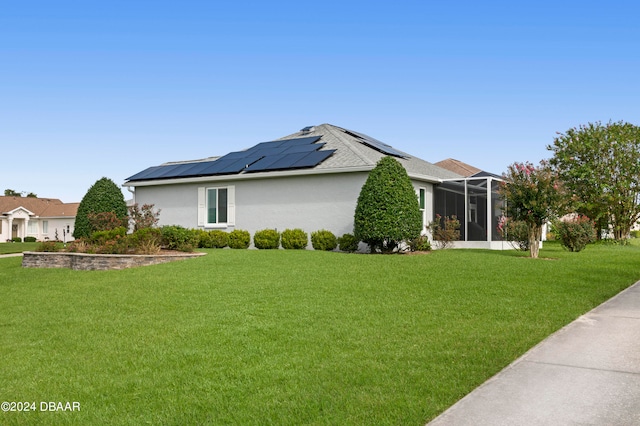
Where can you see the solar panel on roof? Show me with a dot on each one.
(376, 144)
(303, 148)
(300, 141)
(197, 168)
(312, 159)
(239, 165)
(264, 163)
(274, 155)
(286, 161)
(141, 175)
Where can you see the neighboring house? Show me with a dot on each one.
(309, 180)
(42, 218)
(458, 167)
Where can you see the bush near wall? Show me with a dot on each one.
(16, 240)
(29, 239)
(213, 239)
(266, 239)
(239, 239)
(175, 237)
(323, 240)
(421, 243)
(294, 239)
(348, 243)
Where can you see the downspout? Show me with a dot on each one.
(133, 192)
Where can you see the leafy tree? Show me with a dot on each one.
(12, 193)
(103, 196)
(387, 212)
(32, 195)
(533, 196)
(600, 166)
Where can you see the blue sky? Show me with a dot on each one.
(93, 89)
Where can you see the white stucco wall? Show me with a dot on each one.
(310, 202)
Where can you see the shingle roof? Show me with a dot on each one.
(350, 151)
(42, 207)
(458, 166)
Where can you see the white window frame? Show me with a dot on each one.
(203, 207)
(422, 191)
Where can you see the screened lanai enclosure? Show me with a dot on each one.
(477, 205)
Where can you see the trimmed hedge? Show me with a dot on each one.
(294, 239)
(213, 239)
(266, 239)
(239, 239)
(323, 240)
(176, 237)
(348, 243)
(29, 239)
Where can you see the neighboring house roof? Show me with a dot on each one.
(458, 167)
(464, 169)
(327, 149)
(41, 207)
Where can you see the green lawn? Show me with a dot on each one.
(7, 248)
(286, 337)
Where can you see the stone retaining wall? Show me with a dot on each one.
(97, 262)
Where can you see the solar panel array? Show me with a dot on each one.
(376, 144)
(266, 156)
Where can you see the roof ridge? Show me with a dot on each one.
(334, 129)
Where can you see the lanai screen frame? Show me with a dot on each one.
(476, 203)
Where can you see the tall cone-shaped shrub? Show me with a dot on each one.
(387, 212)
(104, 196)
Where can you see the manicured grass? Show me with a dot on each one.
(7, 248)
(286, 337)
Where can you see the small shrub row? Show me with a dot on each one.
(175, 237)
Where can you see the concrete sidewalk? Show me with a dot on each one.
(588, 373)
(10, 255)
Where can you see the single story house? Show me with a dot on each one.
(41, 218)
(311, 180)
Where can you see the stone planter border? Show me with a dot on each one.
(98, 262)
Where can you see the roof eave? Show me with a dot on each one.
(250, 176)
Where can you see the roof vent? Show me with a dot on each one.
(307, 129)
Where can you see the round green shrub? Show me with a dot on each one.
(16, 239)
(218, 238)
(29, 239)
(348, 243)
(266, 239)
(387, 211)
(213, 239)
(239, 239)
(176, 237)
(203, 238)
(104, 196)
(294, 239)
(323, 240)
